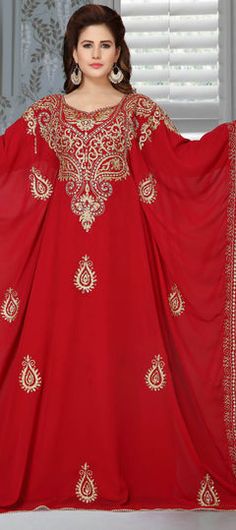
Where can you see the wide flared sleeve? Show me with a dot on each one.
(27, 174)
(187, 191)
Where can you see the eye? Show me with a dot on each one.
(89, 44)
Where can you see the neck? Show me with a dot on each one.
(96, 86)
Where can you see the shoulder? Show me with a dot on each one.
(41, 111)
(146, 106)
(142, 104)
(149, 113)
(48, 103)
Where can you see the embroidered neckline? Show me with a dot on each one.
(91, 112)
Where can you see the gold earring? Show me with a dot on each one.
(76, 75)
(116, 75)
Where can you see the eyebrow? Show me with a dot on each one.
(86, 40)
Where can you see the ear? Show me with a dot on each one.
(75, 57)
(118, 50)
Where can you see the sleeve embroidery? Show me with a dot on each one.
(47, 104)
(153, 115)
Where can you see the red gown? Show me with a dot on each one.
(118, 311)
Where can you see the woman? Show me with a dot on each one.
(118, 369)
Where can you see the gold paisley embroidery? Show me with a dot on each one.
(85, 489)
(10, 305)
(176, 302)
(91, 153)
(92, 147)
(155, 377)
(147, 189)
(29, 377)
(40, 187)
(85, 277)
(207, 495)
(229, 343)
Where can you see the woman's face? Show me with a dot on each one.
(96, 45)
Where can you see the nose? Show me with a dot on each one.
(96, 52)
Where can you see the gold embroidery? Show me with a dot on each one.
(85, 489)
(229, 343)
(91, 153)
(207, 495)
(155, 377)
(124, 510)
(87, 205)
(86, 120)
(154, 114)
(32, 122)
(85, 277)
(40, 187)
(10, 306)
(147, 189)
(29, 377)
(176, 302)
(92, 147)
(42, 507)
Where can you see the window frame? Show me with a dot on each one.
(10, 35)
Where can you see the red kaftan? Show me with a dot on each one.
(117, 295)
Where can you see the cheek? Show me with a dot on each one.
(83, 54)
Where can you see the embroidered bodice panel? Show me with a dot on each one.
(92, 146)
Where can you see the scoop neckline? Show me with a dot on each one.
(88, 112)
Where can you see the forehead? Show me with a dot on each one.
(96, 32)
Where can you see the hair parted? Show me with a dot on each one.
(88, 15)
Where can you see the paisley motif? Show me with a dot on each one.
(176, 301)
(86, 490)
(207, 495)
(156, 377)
(29, 377)
(40, 186)
(85, 277)
(10, 305)
(147, 189)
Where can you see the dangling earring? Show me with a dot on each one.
(76, 75)
(116, 75)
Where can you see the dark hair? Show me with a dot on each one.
(88, 15)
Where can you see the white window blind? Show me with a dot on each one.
(174, 46)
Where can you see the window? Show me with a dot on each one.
(179, 58)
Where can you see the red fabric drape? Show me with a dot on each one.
(117, 322)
